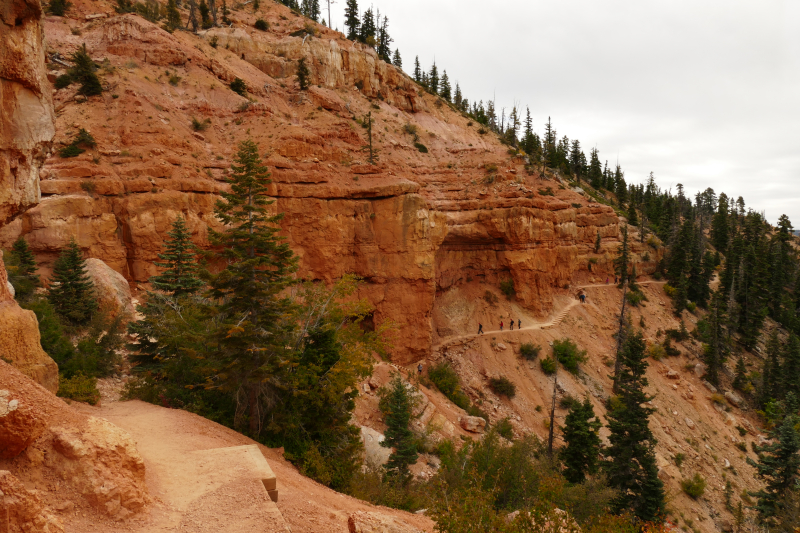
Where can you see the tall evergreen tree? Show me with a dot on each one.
(595, 170)
(254, 314)
(433, 79)
(575, 160)
(719, 225)
(631, 465)
(179, 261)
(623, 258)
(715, 350)
(790, 369)
(458, 98)
(417, 70)
(397, 404)
(444, 87)
(71, 290)
(21, 267)
(351, 20)
(581, 434)
(740, 377)
(384, 41)
(369, 31)
(205, 18)
(396, 59)
(771, 382)
(173, 17)
(779, 466)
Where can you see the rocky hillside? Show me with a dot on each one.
(414, 225)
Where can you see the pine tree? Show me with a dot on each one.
(779, 466)
(633, 218)
(351, 20)
(740, 379)
(433, 79)
(369, 31)
(396, 404)
(254, 313)
(417, 70)
(597, 242)
(58, 7)
(83, 72)
(719, 225)
(173, 17)
(384, 41)
(397, 60)
(623, 258)
(71, 291)
(205, 19)
(458, 98)
(303, 74)
(771, 382)
(21, 266)
(631, 465)
(444, 87)
(715, 350)
(790, 369)
(179, 262)
(575, 160)
(595, 171)
(581, 435)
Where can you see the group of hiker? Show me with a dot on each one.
(502, 324)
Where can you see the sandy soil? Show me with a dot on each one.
(174, 445)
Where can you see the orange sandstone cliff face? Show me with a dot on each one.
(412, 226)
(26, 129)
(26, 109)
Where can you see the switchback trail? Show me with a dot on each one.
(554, 321)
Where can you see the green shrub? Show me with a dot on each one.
(261, 25)
(529, 351)
(656, 351)
(568, 354)
(691, 306)
(694, 487)
(70, 151)
(491, 298)
(200, 125)
(239, 87)
(635, 298)
(679, 457)
(507, 288)
(446, 380)
(80, 388)
(548, 365)
(503, 386)
(65, 80)
(421, 147)
(669, 290)
(505, 429)
(58, 7)
(568, 402)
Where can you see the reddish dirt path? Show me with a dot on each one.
(171, 443)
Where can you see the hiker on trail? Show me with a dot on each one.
(519, 324)
(501, 325)
(419, 369)
(616, 280)
(480, 328)
(582, 296)
(512, 325)
(606, 281)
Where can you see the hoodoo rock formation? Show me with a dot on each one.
(445, 204)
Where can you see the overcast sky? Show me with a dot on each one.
(700, 93)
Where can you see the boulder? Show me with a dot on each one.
(23, 510)
(689, 423)
(374, 454)
(473, 424)
(700, 370)
(19, 339)
(710, 387)
(111, 288)
(20, 424)
(673, 375)
(733, 398)
(366, 522)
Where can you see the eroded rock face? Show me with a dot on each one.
(103, 464)
(94, 458)
(19, 339)
(22, 509)
(26, 106)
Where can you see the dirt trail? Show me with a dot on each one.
(199, 491)
(553, 321)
